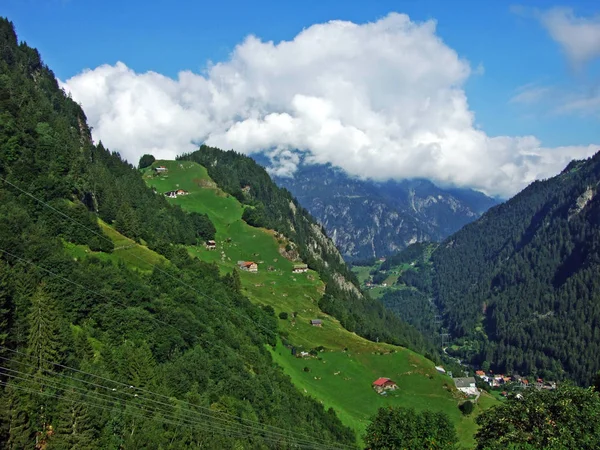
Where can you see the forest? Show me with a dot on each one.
(518, 289)
(99, 354)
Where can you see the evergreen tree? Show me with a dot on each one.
(75, 428)
(43, 343)
(146, 161)
(395, 428)
(6, 304)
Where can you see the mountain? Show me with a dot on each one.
(519, 288)
(369, 219)
(111, 334)
(119, 328)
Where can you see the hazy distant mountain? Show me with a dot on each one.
(366, 218)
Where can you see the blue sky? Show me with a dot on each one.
(514, 48)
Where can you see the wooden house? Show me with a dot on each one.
(384, 384)
(300, 268)
(248, 266)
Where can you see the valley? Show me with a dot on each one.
(342, 370)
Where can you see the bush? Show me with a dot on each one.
(283, 315)
(467, 407)
(145, 161)
(306, 369)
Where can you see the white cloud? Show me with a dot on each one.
(578, 36)
(530, 93)
(380, 100)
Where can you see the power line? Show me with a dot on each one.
(95, 396)
(154, 266)
(118, 303)
(160, 408)
(163, 420)
(137, 257)
(127, 387)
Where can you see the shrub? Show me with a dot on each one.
(283, 315)
(467, 407)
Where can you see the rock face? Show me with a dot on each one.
(368, 219)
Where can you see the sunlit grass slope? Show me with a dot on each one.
(341, 375)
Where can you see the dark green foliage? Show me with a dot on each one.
(146, 161)
(543, 419)
(413, 307)
(283, 315)
(413, 253)
(519, 287)
(466, 407)
(204, 228)
(255, 216)
(405, 428)
(379, 277)
(182, 331)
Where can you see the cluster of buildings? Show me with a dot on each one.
(499, 380)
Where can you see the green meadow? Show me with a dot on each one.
(134, 255)
(340, 376)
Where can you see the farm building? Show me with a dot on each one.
(466, 385)
(440, 369)
(211, 245)
(384, 384)
(182, 192)
(248, 266)
(161, 169)
(316, 322)
(300, 268)
(171, 194)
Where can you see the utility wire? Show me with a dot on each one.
(137, 257)
(48, 381)
(126, 388)
(97, 397)
(166, 421)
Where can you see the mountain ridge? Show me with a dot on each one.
(372, 219)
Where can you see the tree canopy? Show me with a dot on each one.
(566, 418)
(405, 428)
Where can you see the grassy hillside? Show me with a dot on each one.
(134, 255)
(342, 373)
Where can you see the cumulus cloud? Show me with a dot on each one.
(578, 36)
(380, 100)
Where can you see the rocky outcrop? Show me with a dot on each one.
(368, 219)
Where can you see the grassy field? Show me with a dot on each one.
(135, 256)
(341, 375)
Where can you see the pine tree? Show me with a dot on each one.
(74, 426)
(20, 432)
(43, 343)
(5, 304)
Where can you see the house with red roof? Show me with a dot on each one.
(384, 384)
(248, 266)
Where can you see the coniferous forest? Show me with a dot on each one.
(519, 289)
(96, 354)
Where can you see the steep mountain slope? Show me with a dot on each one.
(108, 338)
(368, 219)
(343, 365)
(519, 287)
(272, 207)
